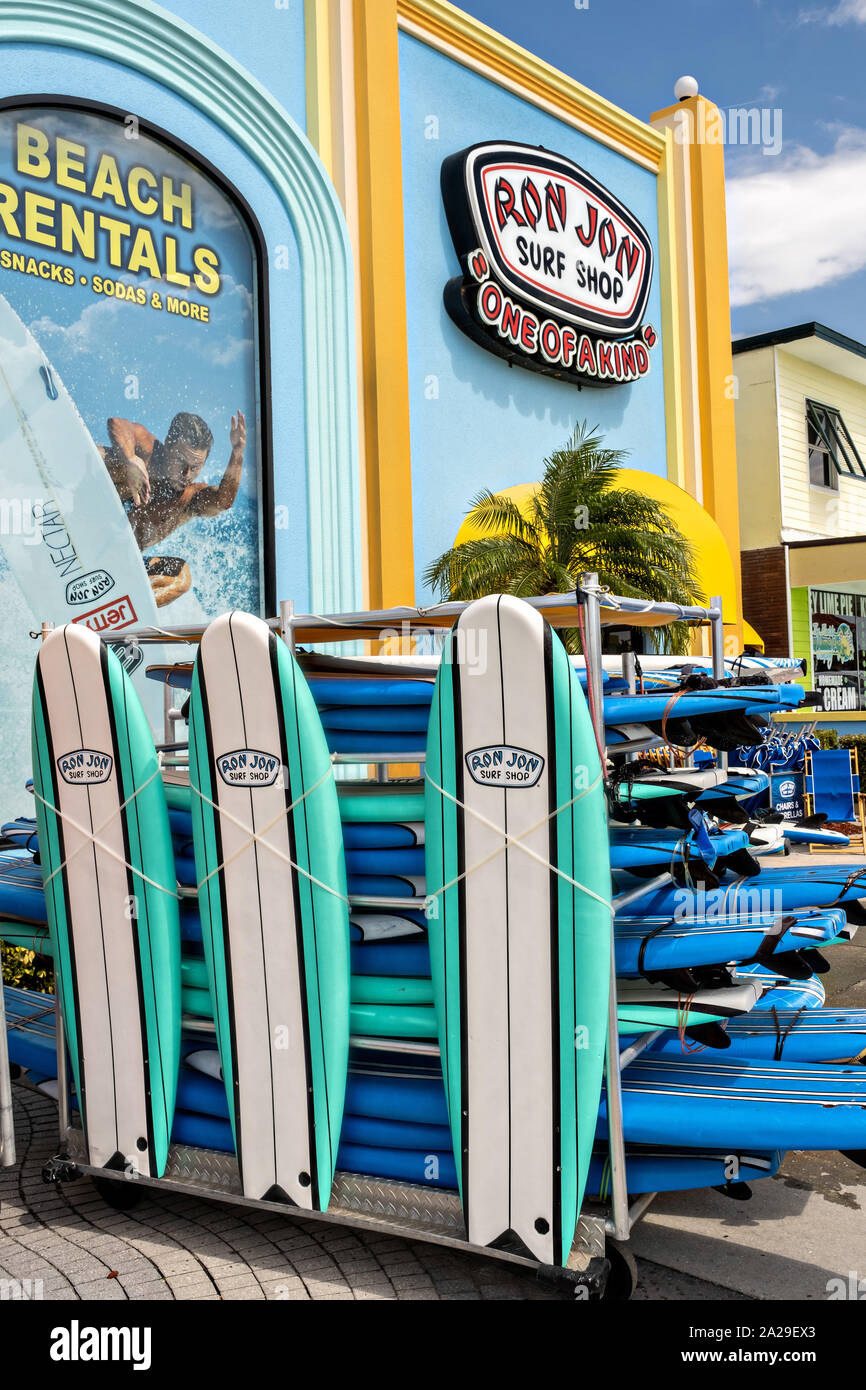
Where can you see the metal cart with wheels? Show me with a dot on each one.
(600, 1262)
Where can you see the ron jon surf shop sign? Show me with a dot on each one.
(556, 271)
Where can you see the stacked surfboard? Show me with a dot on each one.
(409, 979)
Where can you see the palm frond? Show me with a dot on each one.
(578, 520)
(479, 567)
(494, 512)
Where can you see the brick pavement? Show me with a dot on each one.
(172, 1246)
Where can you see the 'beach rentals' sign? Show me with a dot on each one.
(556, 271)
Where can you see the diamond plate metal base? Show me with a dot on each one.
(203, 1168)
(588, 1242)
(372, 1203)
(399, 1202)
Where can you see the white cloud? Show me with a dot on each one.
(796, 222)
(843, 12)
(87, 333)
(236, 305)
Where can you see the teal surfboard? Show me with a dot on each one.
(108, 866)
(274, 911)
(520, 954)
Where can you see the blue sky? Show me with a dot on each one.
(797, 216)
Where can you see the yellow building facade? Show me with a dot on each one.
(367, 62)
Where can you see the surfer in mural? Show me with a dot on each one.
(158, 482)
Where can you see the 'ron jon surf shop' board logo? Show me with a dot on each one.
(556, 270)
(85, 766)
(502, 765)
(248, 767)
(87, 588)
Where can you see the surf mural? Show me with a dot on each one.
(131, 475)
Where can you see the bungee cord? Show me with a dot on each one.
(89, 837)
(517, 842)
(256, 837)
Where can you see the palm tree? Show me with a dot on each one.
(578, 520)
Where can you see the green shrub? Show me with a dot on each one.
(828, 738)
(857, 741)
(26, 969)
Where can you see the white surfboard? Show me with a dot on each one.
(105, 845)
(63, 527)
(67, 537)
(727, 1001)
(274, 908)
(519, 954)
(384, 926)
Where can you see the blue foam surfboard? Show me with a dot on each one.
(770, 1105)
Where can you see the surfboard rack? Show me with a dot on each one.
(623, 1216)
(379, 758)
(391, 1206)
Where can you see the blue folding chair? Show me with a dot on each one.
(833, 787)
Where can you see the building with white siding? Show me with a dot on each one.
(801, 459)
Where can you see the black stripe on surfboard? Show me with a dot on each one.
(573, 698)
(291, 825)
(508, 1234)
(442, 1021)
(138, 891)
(275, 1191)
(70, 941)
(554, 890)
(213, 813)
(459, 792)
(92, 851)
(113, 1161)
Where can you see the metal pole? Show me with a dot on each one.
(429, 619)
(635, 1213)
(717, 628)
(588, 591)
(588, 587)
(615, 1133)
(648, 886)
(7, 1123)
(640, 1045)
(287, 615)
(7, 1119)
(62, 1072)
(629, 674)
(167, 724)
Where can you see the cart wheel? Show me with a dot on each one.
(585, 1285)
(122, 1195)
(622, 1280)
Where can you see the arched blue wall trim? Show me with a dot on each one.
(148, 39)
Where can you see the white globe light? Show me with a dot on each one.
(685, 87)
